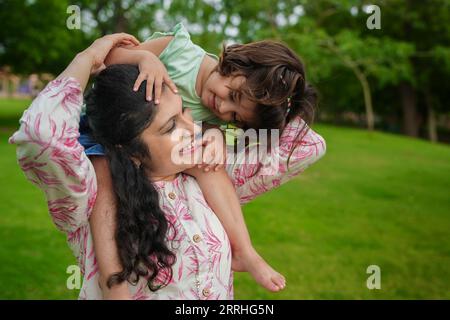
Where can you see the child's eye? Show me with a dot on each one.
(232, 96)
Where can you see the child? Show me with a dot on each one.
(259, 85)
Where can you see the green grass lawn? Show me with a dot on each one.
(11, 110)
(373, 199)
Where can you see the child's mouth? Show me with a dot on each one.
(212, 102)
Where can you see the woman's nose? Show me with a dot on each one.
(188, 122)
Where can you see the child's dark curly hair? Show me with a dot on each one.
(273, 74)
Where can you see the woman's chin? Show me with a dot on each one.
(191, 166)
(184, 166)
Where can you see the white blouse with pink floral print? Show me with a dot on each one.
(49, 153)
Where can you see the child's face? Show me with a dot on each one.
(220, 96)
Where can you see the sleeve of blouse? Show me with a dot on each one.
(254, 173)
(49, 154)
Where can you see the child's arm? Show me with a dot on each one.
(151, 68)
(126, 54)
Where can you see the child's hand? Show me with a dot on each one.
(154, 71)
(214, 151)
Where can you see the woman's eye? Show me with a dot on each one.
(172, 127)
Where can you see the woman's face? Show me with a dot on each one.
(220, 96)
(170, 137)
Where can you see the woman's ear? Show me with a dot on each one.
(136, 162)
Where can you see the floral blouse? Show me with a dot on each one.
(49, 153)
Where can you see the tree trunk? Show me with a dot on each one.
(370, 118)
(409, 107)
(367, 95)
(121, 22)
(367, 98)
(431, 118)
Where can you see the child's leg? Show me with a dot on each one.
(221, 196)
(103, 226)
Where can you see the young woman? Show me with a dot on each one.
(171, 244)
(256, 85)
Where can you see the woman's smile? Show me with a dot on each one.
(190, 148)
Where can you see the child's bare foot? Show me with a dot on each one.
(253, 263)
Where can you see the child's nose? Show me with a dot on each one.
(224, 107)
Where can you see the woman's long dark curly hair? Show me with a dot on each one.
(117, 116)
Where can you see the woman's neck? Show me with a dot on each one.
(206, 68)
(163, 178)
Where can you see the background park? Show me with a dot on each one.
(380, 196)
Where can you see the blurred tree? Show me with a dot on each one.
(34, 36)
(410, 52)
(106, 16)
(424, 24)
(399, 70)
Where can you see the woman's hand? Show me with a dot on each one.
(154, 71)
(117, 294)
(92, 59)
(100, 48)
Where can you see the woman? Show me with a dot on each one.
(173, 245)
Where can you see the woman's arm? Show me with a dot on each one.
(50, 155)
(80, 68)
(52, 158)
(252, 174)
(47, 140)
